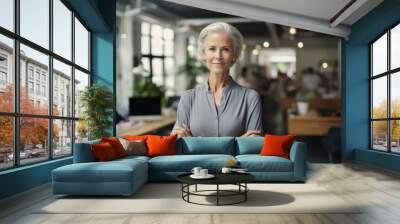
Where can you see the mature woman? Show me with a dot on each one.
(219, 107)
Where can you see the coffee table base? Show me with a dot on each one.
(241, 191)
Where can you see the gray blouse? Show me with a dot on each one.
(240, 111)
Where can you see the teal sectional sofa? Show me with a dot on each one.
(125, 176)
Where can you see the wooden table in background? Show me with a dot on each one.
(311, 125)
(142, 128)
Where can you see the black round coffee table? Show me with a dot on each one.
(238, 179)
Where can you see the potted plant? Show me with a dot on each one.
(96, 102)
(303, 99)
(192, 69)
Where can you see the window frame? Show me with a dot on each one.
(16, 115)
(152, 56)
(388, 74)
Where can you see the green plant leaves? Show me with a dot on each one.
(96, 102)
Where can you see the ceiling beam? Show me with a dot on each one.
(201, 22)
(346, 11)
(362, 11)
(267, 15)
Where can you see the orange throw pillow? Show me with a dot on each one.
(116, 145)
(161, 145)
(136, 137)
(103, 151)
(277, 145)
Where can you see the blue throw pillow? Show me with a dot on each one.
(206, 145)
(249, 145)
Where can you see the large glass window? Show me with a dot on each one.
(6, 142)
(395, 47)
(81, 45)
(62, 89)
(385, 94)
(7, 14)
(43, 112)
(33, 140)
(62, 141)
(62, 29)
(6, 75)
(157, 48)
(35, 21)
(40, 62)
(81, 81)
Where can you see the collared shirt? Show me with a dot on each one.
(240, 110)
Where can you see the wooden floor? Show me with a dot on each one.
(377, 188)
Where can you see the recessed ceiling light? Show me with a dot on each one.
(190, 48)
(292, 30)
(255, 52)
(300, 44)
(266, 44)
(324, 65)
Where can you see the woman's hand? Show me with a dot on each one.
(251, 133)
(182, 131)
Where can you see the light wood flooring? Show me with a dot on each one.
(354, 182)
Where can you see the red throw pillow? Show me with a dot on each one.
(116, 145)
(136, 137)
(161, 145)
(277, 145)
(103, 151)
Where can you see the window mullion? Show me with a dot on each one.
(16, 84)
(73, 82)
(371, 140)
(50, 81)
(389, 76)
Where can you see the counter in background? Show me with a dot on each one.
(312, 125)
(145, 127)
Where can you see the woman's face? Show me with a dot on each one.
(218, 53)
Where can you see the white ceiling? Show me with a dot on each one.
(314, 15)
(320, 9)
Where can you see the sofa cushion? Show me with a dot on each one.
(112, 171)
(206, 145)
(161, 145)
(277, 145)
(257, 163)
(249, 145)
(134, 147)
(83, 152)
(185, 163)
(116, 145)
(103, 151)
(135, 137)
(132, 158)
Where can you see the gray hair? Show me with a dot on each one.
(221, 27)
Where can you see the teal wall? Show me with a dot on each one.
(24, 178)
(100, 17)
(356, 85)
(104, 51)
